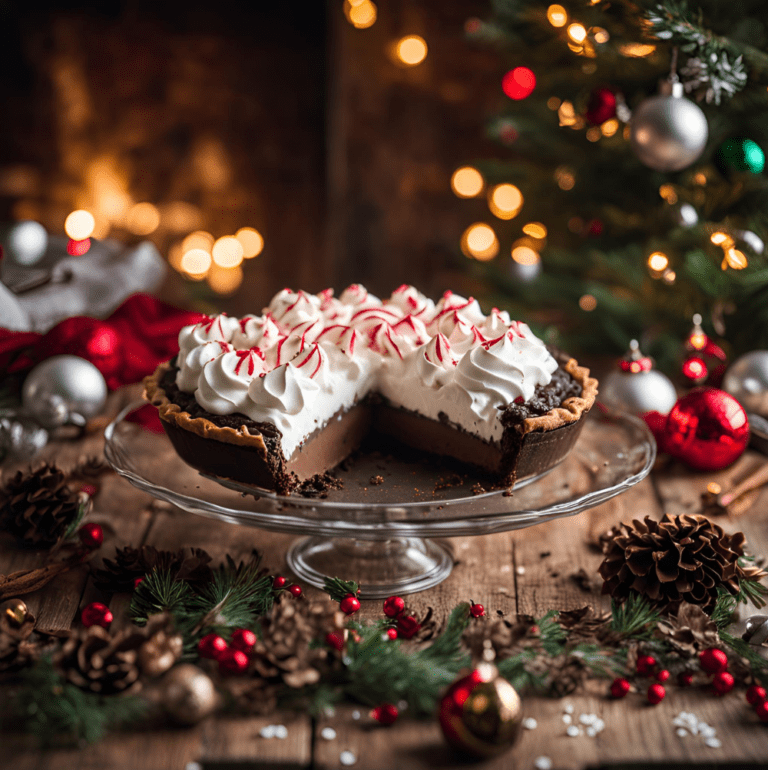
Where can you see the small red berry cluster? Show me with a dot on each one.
(403, 623)
(757, 698)
(713, 662)
(233, 656)
(280, 583)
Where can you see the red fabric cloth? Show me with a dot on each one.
(125, 347)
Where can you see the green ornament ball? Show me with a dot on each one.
(740, 155)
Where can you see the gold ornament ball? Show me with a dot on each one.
(159, 653)
(187, 694)
(13, 612)
(481, 714)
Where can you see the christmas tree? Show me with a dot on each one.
(630, 185)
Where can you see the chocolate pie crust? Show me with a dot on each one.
(536, 435)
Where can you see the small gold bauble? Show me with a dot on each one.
(187, 694)
(481, 714)
(14, 612)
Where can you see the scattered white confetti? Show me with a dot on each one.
(591, 732)
(402, 705)
(520, 570)
(542, 763)
(505, 568)
(267, 732)
(587, 719)
(346, 660)
(599, 725)
(355, 714)
(529, 723)
(347, 758)
(568, 708)
(281, 732)
(567, 719)
(193, 766)
(573, 731)
(682, 732)
(713, 743)
(328, 733)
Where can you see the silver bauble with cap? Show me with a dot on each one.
(668, 132)
(636, 387)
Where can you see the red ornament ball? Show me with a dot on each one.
(279, 582)
(96, 614)
(295, 590)
(662, 676)
(601, 106)
(137, 582)
(755, 694)
(91, 536)
(476, 610)
(723, 682)
(408, 626)
(695, 370)
(233, 662)
(685, 679)
(713, 661)
(761, 709)
(386, 714)
(349, 604)
(212, 646)
(335, 639)
(78, 248)
(645, 665)
(243, 639)
(518, 83)
(392, 633)
(620, 687)
(707, 429)
(656, 693)
(394, 606)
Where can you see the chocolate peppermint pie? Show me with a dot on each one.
(273, 400)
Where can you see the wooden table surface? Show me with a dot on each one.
(528, 571)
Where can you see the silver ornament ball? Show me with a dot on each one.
(20, 437)
(668, 133)
(756, 630)
(638, 392)
(747, 381)
(63, 389)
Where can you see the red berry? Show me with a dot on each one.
(394, 606)
(137, 582)
(243, 639)
(408, 626)
(279, 582)
(685, 679)
(233, 662)
(212, 646)
(476, 610)
(349, 604)
(656, 693)
(335, 639)
(534, 630)
(755, 694)
(645, 665)
(89, 489)
(91, 535)
(761, 709)
(96, 614)
(295, 590)
(392, 633)
(662, 676)
(620, 687)
(713, 661)
(723, 682)
(386, 714)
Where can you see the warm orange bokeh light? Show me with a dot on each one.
(411, 50)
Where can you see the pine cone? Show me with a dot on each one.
(505, 636)
(680, 558)
(16, 647)
(90, 468)
(38, 507)
(689, 631)
(95, 660)
(119, 574)
(161, 645)
(585, 625)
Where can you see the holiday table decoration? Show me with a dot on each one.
(188, 694)
(635, 386)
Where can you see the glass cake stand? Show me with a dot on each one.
(379, 529)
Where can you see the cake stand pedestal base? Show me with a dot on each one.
(402, 565)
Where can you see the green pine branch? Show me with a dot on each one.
(159, 592)
(633, 618)
(337, 588)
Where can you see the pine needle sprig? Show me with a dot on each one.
(758, 664)
(77, 521)
(752, 592)
(50, 707)
(159, 592)
(337, 588)
(551, 634)
(634, 618)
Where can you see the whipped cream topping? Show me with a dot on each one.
(310, 356)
